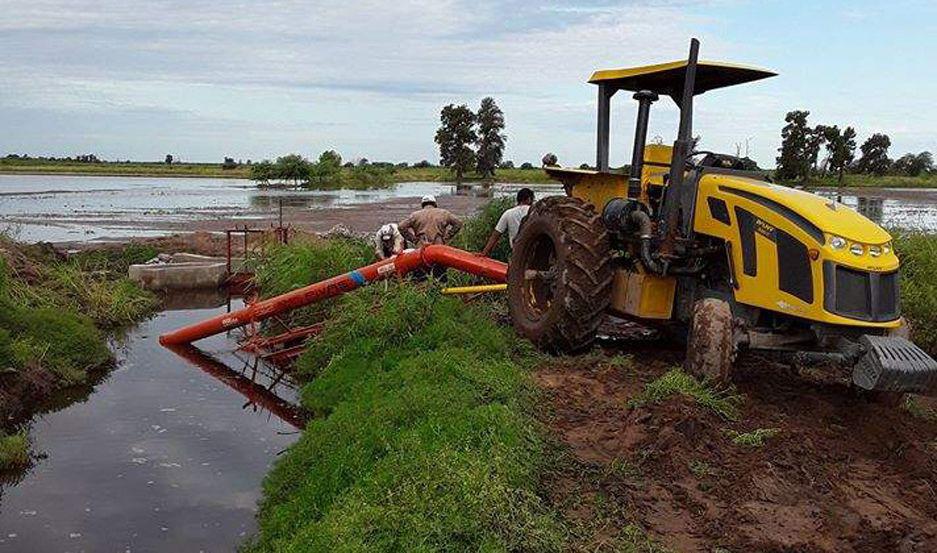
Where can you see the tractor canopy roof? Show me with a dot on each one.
(666, 79)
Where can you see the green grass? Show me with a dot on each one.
(93, 284)
(132, 169)
(677, 382)
(872, 181)
(424, 441)
(755, 438)
(918, 255)
(350, 178)
(52, 312)
(285, 268)
(14, 450)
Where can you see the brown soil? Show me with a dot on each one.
(358, 218)
(842, 474)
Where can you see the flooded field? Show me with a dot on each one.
(77, 209)
(163, 455)
(80, 209)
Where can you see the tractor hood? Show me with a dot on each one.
(829, 216)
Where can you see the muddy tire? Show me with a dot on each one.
(559, 275)
(710, 351)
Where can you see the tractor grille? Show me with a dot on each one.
(859, 294)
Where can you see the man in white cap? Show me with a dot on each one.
(430, 225)
(388, 241)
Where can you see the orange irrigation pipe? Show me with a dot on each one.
(401, 264)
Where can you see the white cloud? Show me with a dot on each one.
(366, 77)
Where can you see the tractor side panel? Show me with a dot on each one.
(777, 256)
(643, 295)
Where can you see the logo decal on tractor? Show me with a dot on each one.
(764, 229)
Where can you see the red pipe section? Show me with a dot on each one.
(401, 264)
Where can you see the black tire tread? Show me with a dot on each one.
(584, 290)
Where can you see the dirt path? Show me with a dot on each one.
(841, 474)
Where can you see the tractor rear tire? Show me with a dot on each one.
(560, 275)
(710, 352)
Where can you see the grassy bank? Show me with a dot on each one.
(54, 315)
(350, 177)
(118, 169)
(424, 439)
(918, 254)
(872, 181)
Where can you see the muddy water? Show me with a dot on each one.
(162, 456)
(77, 209)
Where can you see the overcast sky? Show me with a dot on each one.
(202, 79)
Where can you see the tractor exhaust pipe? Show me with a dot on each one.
(681, 152)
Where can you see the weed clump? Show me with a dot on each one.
(14, 450)
(424, 441)
(677, 382)
(755, 438)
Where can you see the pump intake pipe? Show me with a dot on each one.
(401, 264)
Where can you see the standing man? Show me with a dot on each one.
(510, 221)
(430, 225)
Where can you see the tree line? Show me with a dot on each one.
(326, 172)
(801, 145)
(468, 140)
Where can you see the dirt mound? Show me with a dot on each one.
(834, 473)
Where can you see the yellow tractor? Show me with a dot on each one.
(692, 241)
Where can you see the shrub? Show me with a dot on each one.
(474, 234)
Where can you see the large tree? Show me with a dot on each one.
(455, 137)
(797, 143)
(914, 164)
(292, 167)
(840, 149)
(327, 170)
(874, 158)
(490, 138)
(263, 172)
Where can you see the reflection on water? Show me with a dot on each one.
(162, 456)
(905, 209)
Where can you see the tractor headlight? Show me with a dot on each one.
(837, 242)
(857, 249)
(886, 249)
(875, 251)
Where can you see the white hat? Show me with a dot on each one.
(387, 232)
(428, 199)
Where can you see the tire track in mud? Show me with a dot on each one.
(842, 474)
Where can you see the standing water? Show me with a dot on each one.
(163, 456)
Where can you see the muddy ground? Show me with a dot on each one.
(358, 218)
(841, 474)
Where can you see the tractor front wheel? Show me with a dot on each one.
(559, 275)
(710, 352)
